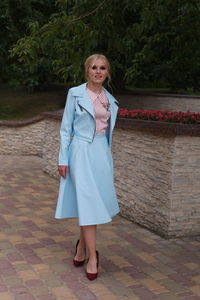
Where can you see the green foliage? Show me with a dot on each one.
(15, 16)
(167, 45)
(149, 43)
(74, 33)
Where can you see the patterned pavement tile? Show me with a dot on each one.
(36, 250)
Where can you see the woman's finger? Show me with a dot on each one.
(63, 171)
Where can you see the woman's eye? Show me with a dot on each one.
(95, 67)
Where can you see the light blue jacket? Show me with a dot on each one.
(79, 119)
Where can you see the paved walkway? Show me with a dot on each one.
(36, 250)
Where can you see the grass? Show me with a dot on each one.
(19, 105)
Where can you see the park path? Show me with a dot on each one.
(36, 250)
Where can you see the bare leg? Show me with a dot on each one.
(89, 233)
(80, 255)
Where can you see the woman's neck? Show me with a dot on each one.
(96, 88)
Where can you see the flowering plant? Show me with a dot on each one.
(161, 115)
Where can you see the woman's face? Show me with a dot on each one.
(97, 72)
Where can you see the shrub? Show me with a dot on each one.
(187, 117)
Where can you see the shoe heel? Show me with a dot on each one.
(77, 263)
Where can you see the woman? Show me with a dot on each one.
(85, 162)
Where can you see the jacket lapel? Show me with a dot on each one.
(113, 109)
(113, 114)
(83, 99)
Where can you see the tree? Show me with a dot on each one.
(149, 43)
(60, 46)
(15, 16)
(166, 45)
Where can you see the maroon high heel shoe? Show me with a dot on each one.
(92, 276)
(78, 263)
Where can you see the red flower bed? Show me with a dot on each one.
(161, 115)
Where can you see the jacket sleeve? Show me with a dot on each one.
(66, 130)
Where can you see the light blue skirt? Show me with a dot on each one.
(88, 192)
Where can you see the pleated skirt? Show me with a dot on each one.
(88, 192)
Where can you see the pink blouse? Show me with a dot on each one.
(102, 115)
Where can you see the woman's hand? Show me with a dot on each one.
(63, 171)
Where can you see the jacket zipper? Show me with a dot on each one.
(83, 108)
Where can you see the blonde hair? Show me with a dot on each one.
(93, 57)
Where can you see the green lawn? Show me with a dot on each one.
(19, 105)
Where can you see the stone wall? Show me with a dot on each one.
(165, 172)
(143, 177)
(185, 191)
(157, 167)
(51, 146)
(23, 140)
(159, 101)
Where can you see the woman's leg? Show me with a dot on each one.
(80, 255)
(89, 233)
